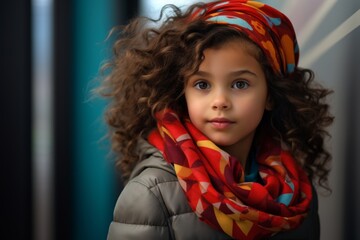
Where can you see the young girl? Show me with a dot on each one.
(219, 133)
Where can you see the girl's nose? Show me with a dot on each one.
(221, 101)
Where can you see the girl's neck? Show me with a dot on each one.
(240, 152)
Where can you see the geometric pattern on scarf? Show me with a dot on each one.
(213, 182)
(269, 28)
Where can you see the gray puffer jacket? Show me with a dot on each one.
(153, 206)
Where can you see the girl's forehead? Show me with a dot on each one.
(237, 43)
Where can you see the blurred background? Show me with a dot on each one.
(58, 179)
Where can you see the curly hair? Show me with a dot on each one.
(151, 64)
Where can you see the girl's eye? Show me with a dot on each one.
(201, 85)
(240, 85)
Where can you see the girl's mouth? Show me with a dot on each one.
(221, 123)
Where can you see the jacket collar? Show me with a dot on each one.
(150, 157)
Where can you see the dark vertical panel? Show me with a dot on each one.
(127, 10)
(352, 150)
(15, 119)
(62, 117)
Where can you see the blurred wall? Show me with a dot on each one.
(328, 33)
(94, 183)
(93, 173)
(85, 185)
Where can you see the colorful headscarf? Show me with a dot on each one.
(270, 29)
(213, 182)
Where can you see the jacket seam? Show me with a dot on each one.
(141, 224)
(169, 215)
(163, 206)
(154, 195)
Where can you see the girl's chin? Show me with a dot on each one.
(222, 143)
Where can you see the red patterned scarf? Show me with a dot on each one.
(213, 182)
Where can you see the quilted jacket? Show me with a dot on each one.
(153, 206)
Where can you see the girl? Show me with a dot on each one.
(219, 133)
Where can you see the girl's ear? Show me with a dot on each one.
(269, 103)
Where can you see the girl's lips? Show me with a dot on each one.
(221, 123)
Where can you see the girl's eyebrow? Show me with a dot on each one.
(242, 72)
(231, 74)
(202, 74)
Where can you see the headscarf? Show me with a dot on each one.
(270, 29)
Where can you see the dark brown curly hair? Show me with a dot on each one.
(151, 64)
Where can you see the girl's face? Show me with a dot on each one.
(227, 97)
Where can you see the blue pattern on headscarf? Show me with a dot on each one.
(235, 21)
